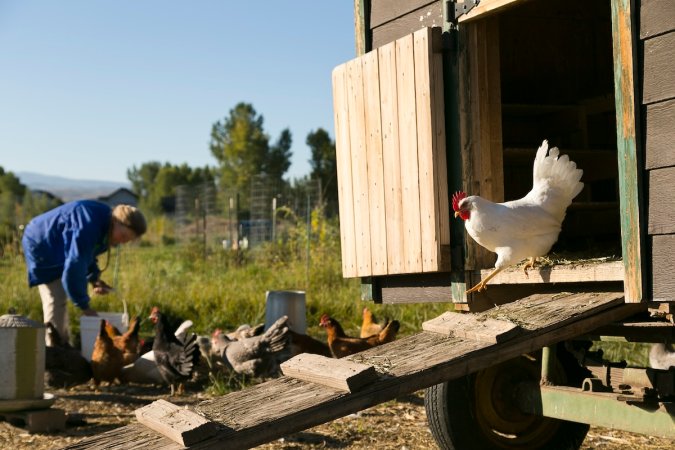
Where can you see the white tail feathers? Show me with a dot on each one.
(555, 180)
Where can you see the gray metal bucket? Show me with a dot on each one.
(286, 303)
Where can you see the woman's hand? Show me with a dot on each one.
(101, 287)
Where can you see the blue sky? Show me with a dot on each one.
(91, 88)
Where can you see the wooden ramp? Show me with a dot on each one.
(286, 405)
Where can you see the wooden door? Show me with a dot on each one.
(391, 160)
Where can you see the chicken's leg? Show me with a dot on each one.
(483, 283)
(529, 265)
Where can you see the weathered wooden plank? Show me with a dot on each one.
(472, 326)
(337, 373)
(361, 28)
(660, 134)
(486, 8)
(344, 171)
(407, 128)
(406, 365)
(429, 207)
(385, 11)
(391, 157)
(480, 122)
(178, 424)
(660, 217)
(359, 164)
(416, 288)
(378, 226)
(430, 15)
(440, 155)
(659, 70)
(663, 270)
(624, 50)
(656, 17)
(567, 273)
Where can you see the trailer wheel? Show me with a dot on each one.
(478, 412)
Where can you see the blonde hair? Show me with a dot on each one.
(131, 217)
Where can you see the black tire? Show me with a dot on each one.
(477, 412)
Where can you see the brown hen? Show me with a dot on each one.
(369, 325)
(342, 345)
(106, 359)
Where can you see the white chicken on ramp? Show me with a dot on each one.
(527, 227)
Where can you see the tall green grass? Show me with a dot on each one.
(221, 288)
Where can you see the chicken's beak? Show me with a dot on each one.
(456, 214)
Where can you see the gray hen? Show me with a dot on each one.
(257, 356)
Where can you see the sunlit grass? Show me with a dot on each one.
(220, 288)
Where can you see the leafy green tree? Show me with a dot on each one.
(155, 183)
(142, 178)
(279, 159)
(241, 147)
(324, 167)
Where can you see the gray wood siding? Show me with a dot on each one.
(657, 32)
(660, 134)
(661, 219)
(659, 74)
(392, 20)
(656, 17)
(663, 269)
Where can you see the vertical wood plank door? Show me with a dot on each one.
(390, 143)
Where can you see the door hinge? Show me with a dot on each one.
(454, 10)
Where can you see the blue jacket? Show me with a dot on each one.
(64, 242)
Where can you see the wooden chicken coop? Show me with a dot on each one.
(446, 96)
(458, 96)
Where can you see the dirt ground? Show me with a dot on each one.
(399, 424)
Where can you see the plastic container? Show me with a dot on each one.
(90, 326)
(22, 358)
(286, 303)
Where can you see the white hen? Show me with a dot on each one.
(527, 227)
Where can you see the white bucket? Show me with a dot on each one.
(286, 303)
(90, 326)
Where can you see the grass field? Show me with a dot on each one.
(219, 288)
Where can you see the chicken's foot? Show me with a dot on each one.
(482, 285)
(529, 265)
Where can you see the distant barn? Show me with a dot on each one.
(121, 196)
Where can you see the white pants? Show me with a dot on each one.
(54, 309)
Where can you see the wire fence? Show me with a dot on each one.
(216, 217)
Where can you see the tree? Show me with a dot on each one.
(242, 149)
(279, 159)
(142, 178)
(155, 183)
(324, 167)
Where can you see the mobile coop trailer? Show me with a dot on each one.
(457, 96)
(447, 96)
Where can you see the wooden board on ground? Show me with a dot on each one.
(37, 420)
(178, 424)
(337, 373)
(285, 405)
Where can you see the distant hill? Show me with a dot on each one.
(69, 189)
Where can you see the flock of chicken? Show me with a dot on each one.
(173, 355)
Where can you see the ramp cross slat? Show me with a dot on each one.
(285, 405)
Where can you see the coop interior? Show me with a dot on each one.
(557, 84)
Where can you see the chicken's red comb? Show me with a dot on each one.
(456, 198)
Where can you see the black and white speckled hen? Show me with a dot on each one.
(176, 359)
